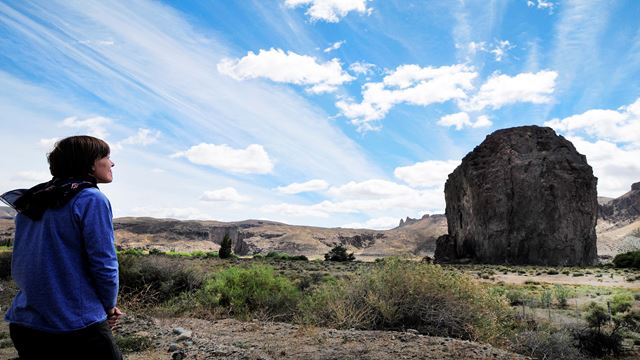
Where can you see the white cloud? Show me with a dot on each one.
(370, 189)
(32, 176)
(362, 68)
(461, 120)
(308, 186)
(615, 167)
(188, 213)
(227, 194)
(380, 223)
(500, 49)
(143, 137)
(335, 46)
(409, 84)
(253, 159)
(94, 126)
(289, 67)
(622, 125)
(500, 90)
(97, 42)
(330, 10)
(365, 201)
(48, 143)
(431, 173)
(542, 5)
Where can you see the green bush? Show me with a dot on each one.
(339, 253)
(621, 302)
(562, 294)
(596, 316)
(252, 291)
(396, 294)
(133, 252)
(515, 297)
(627, 260)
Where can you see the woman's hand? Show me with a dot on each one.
(112, 317)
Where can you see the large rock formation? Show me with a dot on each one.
(523, 196)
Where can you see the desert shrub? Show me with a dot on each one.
(155, 251)
(599, 344)
(149, 280)
(596, 316)
(547, 343)
(225, 247)
(545, 298)
(132, 343)
(252, 291)
(621, 302)
(627, 260)
(397, 294)
(562, 294)
(635, 232)
(552, 272)
(339, 253)
(132, 252)
(515, 297)
(5, 265)
(284, 256)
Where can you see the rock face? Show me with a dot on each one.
(523, 196)
(624, 209)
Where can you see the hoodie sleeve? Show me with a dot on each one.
(93, 211)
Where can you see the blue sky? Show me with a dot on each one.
(317, 112)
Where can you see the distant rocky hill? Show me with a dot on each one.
(7, 212)
(619, 223)
(260, 237)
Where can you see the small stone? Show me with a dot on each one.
(178, 355)
(413, 331)
(186, 335)
(173, 347)
(178, 330)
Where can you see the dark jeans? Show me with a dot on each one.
(93, 342)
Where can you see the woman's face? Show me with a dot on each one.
(102, 170)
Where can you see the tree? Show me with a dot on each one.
(338, 253)
(225, 247)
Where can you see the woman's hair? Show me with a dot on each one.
(73, 157)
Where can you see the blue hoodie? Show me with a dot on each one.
(65, 266)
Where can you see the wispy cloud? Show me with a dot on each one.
(542, 5)
(335, 46)
(307, 186)
(94, 126)
(227, 194)
(143, 137)
(330, 10)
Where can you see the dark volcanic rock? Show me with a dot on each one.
(523, 196)
(624, 209)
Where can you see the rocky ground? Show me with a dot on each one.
(232, 339)
(188, 338)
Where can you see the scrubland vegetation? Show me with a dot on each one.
(533, 317)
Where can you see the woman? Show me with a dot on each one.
(64, 259)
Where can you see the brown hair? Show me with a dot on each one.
(74, 156)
